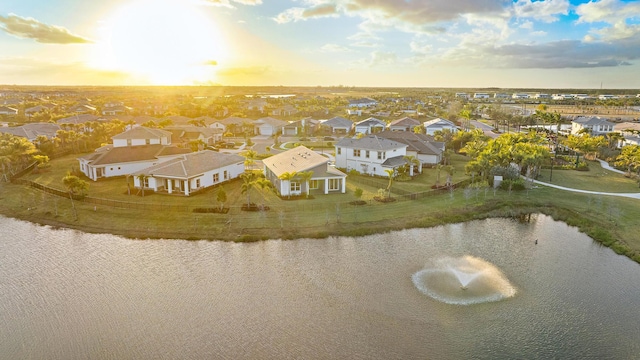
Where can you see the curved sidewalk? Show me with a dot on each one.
(627, 195)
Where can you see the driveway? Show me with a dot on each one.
(486, 129)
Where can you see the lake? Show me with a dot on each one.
(65, 294)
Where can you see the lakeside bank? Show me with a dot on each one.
(611, 223)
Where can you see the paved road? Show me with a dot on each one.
(487, 129)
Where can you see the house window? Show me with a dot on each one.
(146, 182)
(226, 175)
(334, 184)
(216, 178)
(339, 151)
(147, 141)
(366, 154)
(295, 186)
(314, 184)
(197, 183)
(356, 153)
(382, 155)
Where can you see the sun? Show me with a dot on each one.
(161, 42)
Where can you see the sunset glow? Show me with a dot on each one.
(162, 42)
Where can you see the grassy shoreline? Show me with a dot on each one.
(611, 222)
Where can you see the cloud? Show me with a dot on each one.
(555, 55)
(332, 48)
(547, 10)
(211, 63)
(412, 16)
(229, 3)
(30, 28)
(609, 11)
(299, 14)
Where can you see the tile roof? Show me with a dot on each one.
(192, 164)
(295, 160)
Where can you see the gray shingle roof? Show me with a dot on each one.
(338, 121)
(119, 155)
(142, 132)
(371, 142)
(420, 143)
(591, 120)
(193, 164)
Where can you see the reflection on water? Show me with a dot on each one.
(69, 295)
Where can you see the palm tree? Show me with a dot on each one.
(629, 158)
(306, 176)
(287, 176)
(412, 162)
(391, 174)
(249, 158)
(248, 183)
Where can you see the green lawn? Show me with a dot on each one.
(611, 220)
(596, 179)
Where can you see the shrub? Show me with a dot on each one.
(513, 184)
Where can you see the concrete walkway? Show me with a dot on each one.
(627, 195)
(605, 165)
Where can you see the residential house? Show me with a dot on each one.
(142, 136)
(82, 109)
(236, 125)
(461, 95)
(362, 103)
(286, 110)
(6, 110)
(370, 126)
(183, 136)
(438, 124)
(480, 96)
(190, 173)
(594, 124)
(422, 147)
(325, 179)
(257, 104)
(403, 124)
(303, 127)
(370, 155)
(630, 132)
(38, 108)
(80, 119)
(115, 109)
(32, 130)
(126, 160)
(268, 126)
(337, 125)
(520, 96)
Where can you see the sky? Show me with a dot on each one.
(381, 43)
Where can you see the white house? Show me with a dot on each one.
(422, 147)
(189, 173)
(370, 155)
(480, 96)
(337, 125)
(126, 160)
(268, 126)
(362, 103)
(403, 124)
(595, 124)
(370, 125)
(607, 97)
(281, 170)
(5, 110)
(142, 136)
(438, 124)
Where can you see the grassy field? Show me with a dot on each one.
(610, 220)
(596, 179)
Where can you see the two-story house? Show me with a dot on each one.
(370, 155)
(593, 124)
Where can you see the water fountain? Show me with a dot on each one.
(463, 281)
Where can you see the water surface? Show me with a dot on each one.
(69, 295)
